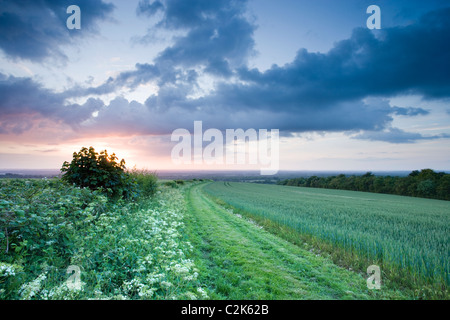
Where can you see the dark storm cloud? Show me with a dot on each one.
(36, 29)
(404, 60)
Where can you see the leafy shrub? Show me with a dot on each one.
(147, 181)
(171, 183)
(40, 221)
(99, 171)
(47, 226)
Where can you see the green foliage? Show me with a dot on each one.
(424, 184)
(124, 249)
(171, 183)
(147, 181)
(40, 222)
(99, 171)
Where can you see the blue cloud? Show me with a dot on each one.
(403, 60)
(149, 9)
(25, 101)
(413, 59)
(36, 30)
(24, 96)
(218, 36)
(410, 111)
(395, 135)
(181, 14)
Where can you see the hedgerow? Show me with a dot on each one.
(123, 249)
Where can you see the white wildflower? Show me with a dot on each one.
(202, 293)
(190, 296)
(166, 284)
(7, 269)
(31, 289)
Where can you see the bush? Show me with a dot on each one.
(147, 181)
(99, 172)
(171, 183)
(46, 226)
(40, 223)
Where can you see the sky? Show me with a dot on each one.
(343, 96)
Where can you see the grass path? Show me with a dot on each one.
(239, 260)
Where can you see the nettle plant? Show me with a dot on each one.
(99, 171)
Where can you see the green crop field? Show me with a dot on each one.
(408, 237)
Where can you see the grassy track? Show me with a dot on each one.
(239, 260)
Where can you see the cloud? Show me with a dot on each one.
(412, 59)
(149, 9)
(345, 89)
(395, 135)
(402, 60)
(36, 30)
(175, 111)
(179, 14)
(24, 96)
(170, 109)
(25, 102)
(410, 111)
(142, 74)
(218, 36)
(217, 39)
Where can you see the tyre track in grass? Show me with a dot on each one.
(238, 260)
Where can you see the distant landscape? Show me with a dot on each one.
(236, 150)
(232, 175)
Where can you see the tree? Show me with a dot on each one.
(426, 188)
(365, 182)
(99, 171)
(443, 189)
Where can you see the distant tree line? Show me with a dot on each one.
(424, 183)
(24, 176)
